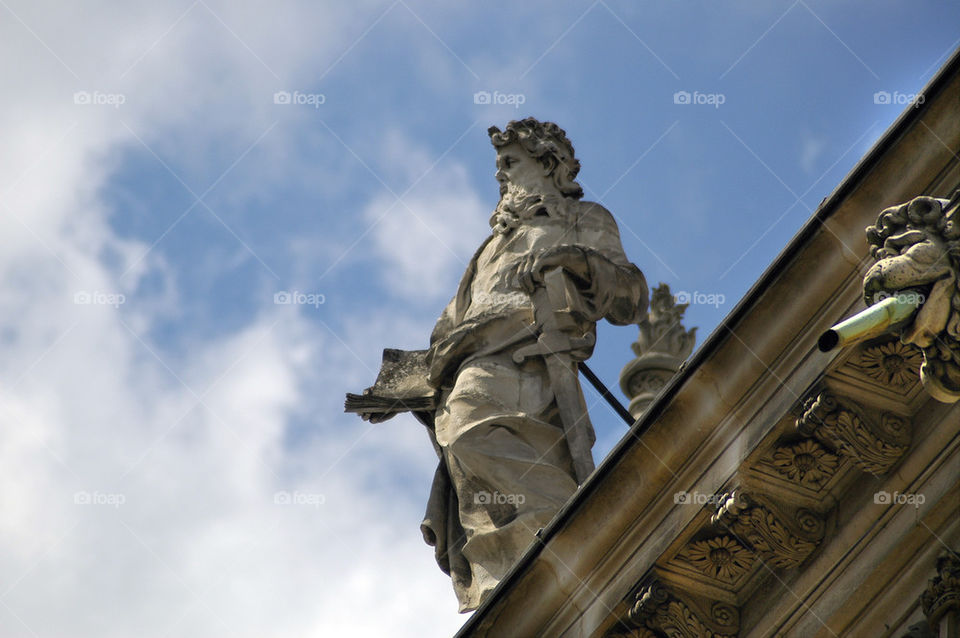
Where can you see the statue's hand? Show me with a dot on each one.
(531, 268)
(376, 417)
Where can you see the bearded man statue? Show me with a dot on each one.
(510, 423)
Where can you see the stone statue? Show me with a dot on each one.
(509, 421)
(916, 246)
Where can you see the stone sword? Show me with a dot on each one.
(552, 312)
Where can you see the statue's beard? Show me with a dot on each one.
(516, 206)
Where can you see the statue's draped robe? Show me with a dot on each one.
(505, 467)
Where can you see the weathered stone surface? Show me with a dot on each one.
(917, 249)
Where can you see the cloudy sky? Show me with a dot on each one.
(174, 460)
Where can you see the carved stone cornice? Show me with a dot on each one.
(943, 591)
(659, 610)
(874, 445)
(779, 539)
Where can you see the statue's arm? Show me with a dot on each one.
(613, 287)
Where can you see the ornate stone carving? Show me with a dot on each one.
(780, 539)
(807, 463)
(916, 246)
(893, 363)
(943, 591)
(662, 345)
(873, 446)
(679, 615)
(721, 558)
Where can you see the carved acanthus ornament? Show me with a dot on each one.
(873, 446)
(661, 347)
(916, 246)
(658, 609)
(943, 591)
(779, 539)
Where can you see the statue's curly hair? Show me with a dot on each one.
(547, 143)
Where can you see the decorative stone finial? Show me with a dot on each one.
(662, 346)
(943, 591)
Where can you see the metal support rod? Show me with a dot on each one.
(602, 389)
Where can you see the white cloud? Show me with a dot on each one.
(811, 152)
(425, 240)
(194, 445)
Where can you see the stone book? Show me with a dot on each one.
(401, 386)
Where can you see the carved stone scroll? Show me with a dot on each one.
(676, 614)
(779, 538)
(874, 446)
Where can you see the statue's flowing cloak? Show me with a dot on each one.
(492, 314)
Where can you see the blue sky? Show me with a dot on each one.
(150, 167)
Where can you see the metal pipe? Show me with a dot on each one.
(606, 394)
(875, 320)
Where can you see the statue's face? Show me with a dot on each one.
(516, 166)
